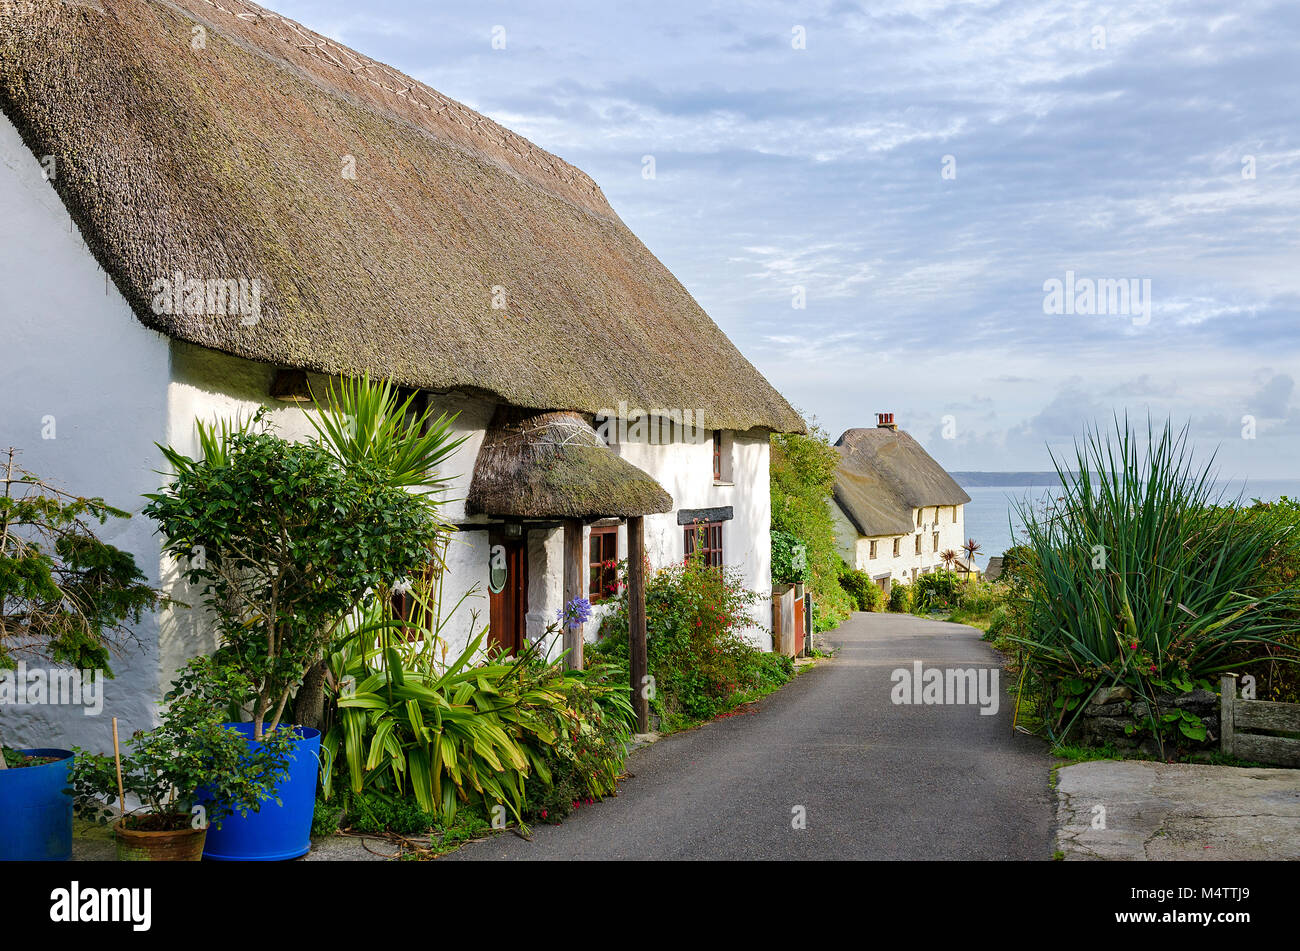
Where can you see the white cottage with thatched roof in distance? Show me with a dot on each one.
(895, 509)
(208, 209)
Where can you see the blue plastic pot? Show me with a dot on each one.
(273, 833)
(36, 810)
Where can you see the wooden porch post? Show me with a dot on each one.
(636, 621)
(573, 589)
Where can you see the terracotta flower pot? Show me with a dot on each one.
(180, 845)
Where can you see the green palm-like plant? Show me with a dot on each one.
(948, 556)
(363, 420)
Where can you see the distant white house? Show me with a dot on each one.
(895, 509)
(199, 231)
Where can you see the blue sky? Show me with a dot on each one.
(1155, 141)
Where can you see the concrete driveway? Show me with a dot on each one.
(870, 779)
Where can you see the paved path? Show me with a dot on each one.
(1177, 811)
(877, 780)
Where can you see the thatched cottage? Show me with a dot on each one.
(895, 509)
(209, 208)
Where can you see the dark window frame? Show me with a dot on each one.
(602, 563)
(711, 534)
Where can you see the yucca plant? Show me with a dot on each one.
(361, 420)
(1141, 574)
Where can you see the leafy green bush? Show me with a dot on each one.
(900, 597)
(284, 541)
(802, 471)
(190, 759)
(1138, 576)
(697, 655)
(374, 811)
(584, 764)
(980, 597)
(936, 591)
(864, 592)
(1000, 623)
(1278, 679)
(789, 560)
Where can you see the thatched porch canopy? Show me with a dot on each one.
(393, 230)
(553, 465)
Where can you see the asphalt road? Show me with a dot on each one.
(875, 779)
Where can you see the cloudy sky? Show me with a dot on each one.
(919, 172)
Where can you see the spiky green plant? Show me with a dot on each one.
(475, 728)
(1142, 574)
(359, 419)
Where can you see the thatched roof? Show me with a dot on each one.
(553, 465)
(994, 570)
(228, 162)
(883, 475)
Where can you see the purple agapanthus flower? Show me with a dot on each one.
(574, 614)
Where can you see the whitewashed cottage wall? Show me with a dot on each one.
(83, 396)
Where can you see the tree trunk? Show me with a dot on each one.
(309, 704)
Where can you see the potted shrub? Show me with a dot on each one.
(284, 541)
(187, 774)
(66, 599)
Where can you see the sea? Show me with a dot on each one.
(991, 519)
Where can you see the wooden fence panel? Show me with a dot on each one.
(1237, 717)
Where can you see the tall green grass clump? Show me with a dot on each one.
(1141, 575)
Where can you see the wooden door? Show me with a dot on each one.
(508, 595)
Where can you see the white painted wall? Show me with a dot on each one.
(856, 549)
(80, 368)
(684, 468)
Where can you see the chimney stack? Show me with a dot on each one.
(885, 421)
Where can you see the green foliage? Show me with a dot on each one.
(326, 818)
(980, 597)
(406, 724)
(367, 425)
(1278, 678)
(375, 811)
(284, 542)
(865, 593)
(936, 591)
(190, 758)
(65, 596)
(1000, 623)
(585, 762)
(1137, 575)
(803, 479)
(697, 655)
(900, 597)
(789, 560)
